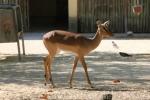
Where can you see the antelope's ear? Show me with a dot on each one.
(98, 22)
(106, 23)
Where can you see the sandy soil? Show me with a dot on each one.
(24, 80)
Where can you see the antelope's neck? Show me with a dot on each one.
(96, 39)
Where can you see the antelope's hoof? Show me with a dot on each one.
(92, 87)
(53, 86)
(70, 86)
(45, 75)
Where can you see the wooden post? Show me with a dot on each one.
(125, 15)
(17, 2)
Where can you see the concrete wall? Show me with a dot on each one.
(72, 7)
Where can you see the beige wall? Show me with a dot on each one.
(72, 7)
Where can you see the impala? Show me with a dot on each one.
(79, 45)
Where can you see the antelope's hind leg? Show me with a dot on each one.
(73, 70)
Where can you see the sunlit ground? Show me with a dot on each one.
(25, 80)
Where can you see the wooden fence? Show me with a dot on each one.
(113, 10)
(8, 1)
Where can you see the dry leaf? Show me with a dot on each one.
(44, 97)
(50, 90)
(116, 81)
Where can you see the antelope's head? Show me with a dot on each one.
(103, 28)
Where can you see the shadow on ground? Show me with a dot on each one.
(103, 68)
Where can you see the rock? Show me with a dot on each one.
(123, 54)
(107, 97)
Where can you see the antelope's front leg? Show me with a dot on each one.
(46, 70)
(48, 76)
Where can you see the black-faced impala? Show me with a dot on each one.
(79, 45)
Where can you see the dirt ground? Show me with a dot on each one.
(25, 81)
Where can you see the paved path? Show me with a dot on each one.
(34, 45)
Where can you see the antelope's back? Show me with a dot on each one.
(56, 33)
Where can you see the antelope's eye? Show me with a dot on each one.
(105, 29)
